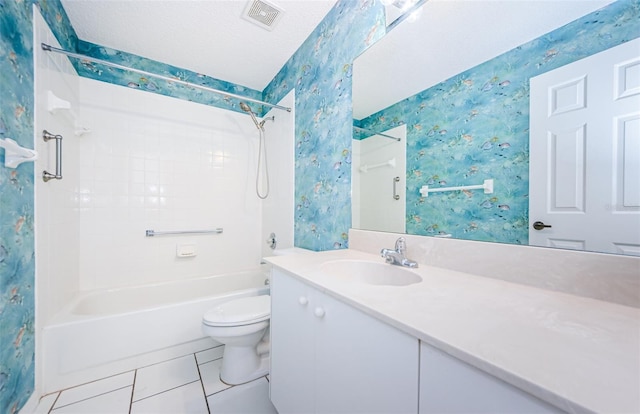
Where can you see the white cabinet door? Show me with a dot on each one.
(448, 385)
(292, 346)
(328, 357)
(363, 365)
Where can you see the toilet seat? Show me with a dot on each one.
(237, 312)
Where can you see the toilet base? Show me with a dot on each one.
(241, 371)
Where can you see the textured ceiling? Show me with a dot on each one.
(204, 36)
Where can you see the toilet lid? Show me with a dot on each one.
(241, 311)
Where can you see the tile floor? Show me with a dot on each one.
(186, 385)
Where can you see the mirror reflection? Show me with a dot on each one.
(378, 179)
(466, 116)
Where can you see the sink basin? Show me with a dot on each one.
(372, 273)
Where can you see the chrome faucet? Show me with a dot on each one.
(396, 257)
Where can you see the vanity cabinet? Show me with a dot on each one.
(328, 357)
(449, 385)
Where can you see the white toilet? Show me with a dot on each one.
(240, 325)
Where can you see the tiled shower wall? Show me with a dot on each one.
(154, 162)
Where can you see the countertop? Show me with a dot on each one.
(576, 353)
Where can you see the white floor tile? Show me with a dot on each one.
(251, 398)
(164, 376)
(45, 403)
(210, 373)
(210, 354)
(171, 387)
(187, 399)
(115, 402)
(92, 389)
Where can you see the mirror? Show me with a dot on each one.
(457, 79)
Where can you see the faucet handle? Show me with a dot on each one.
(401, 245)
(386, 253)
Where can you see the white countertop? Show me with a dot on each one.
(576, 353)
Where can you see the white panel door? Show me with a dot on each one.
(585, 154)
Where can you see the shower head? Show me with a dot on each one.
(246, 108)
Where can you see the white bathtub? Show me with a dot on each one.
(111, 331)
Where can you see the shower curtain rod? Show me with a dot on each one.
(49, 48)
(376, 133)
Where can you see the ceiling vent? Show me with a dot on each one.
(262, 13)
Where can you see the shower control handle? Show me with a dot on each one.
(319, 312)
(272, 242)
(303, 300)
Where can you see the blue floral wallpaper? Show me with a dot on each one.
(133, 80)
(475, 126)
(17, 264)
(320, 71)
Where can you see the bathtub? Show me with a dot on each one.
(107, 332)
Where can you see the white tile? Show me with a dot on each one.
(209, 355)
(210, 373)
(164, 376)
(45, 403)
(251, 398)
(115, 402)
(187, 399)
(95, 388)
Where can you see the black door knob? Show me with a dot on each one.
(538, 225)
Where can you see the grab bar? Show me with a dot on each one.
(47, 136)
(487, 186)
(152, 233)
(395, 190)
